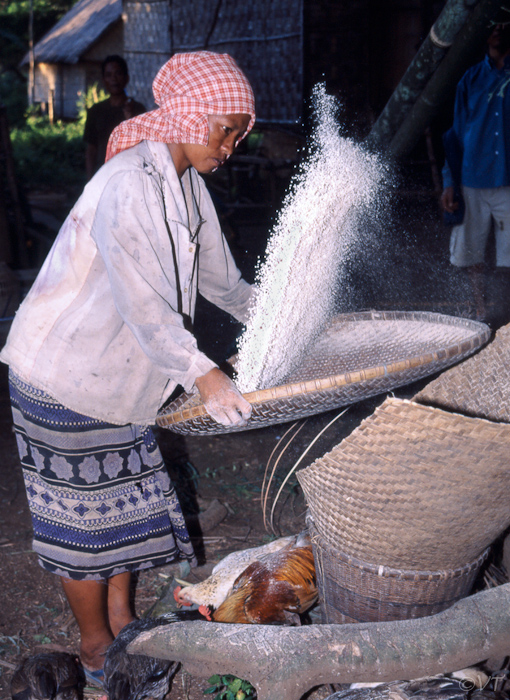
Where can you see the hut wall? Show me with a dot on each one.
(146, 44)
(111, 42)
(72, 83)
(59, 83)
(336, 53)
(359, 48)
(64, 82)
(265, 38)
(46, 78)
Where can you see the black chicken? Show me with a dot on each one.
(53, 675)
(430, 688)
(133, 676)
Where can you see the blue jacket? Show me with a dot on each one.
(481, 125)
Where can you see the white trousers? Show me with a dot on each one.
(484, 208)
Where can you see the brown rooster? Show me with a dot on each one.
(213, 591)
(274, 590)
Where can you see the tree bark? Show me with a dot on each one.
(444, 80)
(430, 54)
(285, 662)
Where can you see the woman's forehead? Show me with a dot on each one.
(237, 121)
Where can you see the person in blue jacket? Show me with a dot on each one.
(478, 163)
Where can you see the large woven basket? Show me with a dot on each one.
(351, 590)
(413, 487)
(480, 386)
(359, 355)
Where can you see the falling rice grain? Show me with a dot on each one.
(317, 226)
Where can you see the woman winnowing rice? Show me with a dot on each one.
(101, 341)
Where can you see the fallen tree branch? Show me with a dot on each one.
(285, 662)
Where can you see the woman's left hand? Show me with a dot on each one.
(222, 399)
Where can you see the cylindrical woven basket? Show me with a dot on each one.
(354, 591)
(358, 355)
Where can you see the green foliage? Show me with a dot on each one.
(14, 22)
(52, 155)
(49, 155)
(93, 95)
(41, 639)
(16, 7)
(13, 96)
(230, 688)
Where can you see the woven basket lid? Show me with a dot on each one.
(413, 487)
(357, 356)
(480, 386)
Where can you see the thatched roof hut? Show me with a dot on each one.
(359, 48)
(68, 57)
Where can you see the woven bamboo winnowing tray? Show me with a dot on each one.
(358, 355)
(413, 487)
(478, 387)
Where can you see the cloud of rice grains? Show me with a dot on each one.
(316, 227)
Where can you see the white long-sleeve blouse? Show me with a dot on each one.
(103, 329)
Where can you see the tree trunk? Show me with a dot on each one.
(445, 78)
(441, 36)
(285, 662)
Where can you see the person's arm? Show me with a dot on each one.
(448, 201)
(453, 143)
(219, 279)
(132, 237)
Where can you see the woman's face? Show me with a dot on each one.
(225, 130)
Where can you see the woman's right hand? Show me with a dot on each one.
(222, 399)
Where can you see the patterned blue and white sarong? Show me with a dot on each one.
(101, 499)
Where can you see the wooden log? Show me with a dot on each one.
(430, 54)
(443, 81)
(285, 662)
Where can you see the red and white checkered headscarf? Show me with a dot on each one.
(188, 88)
